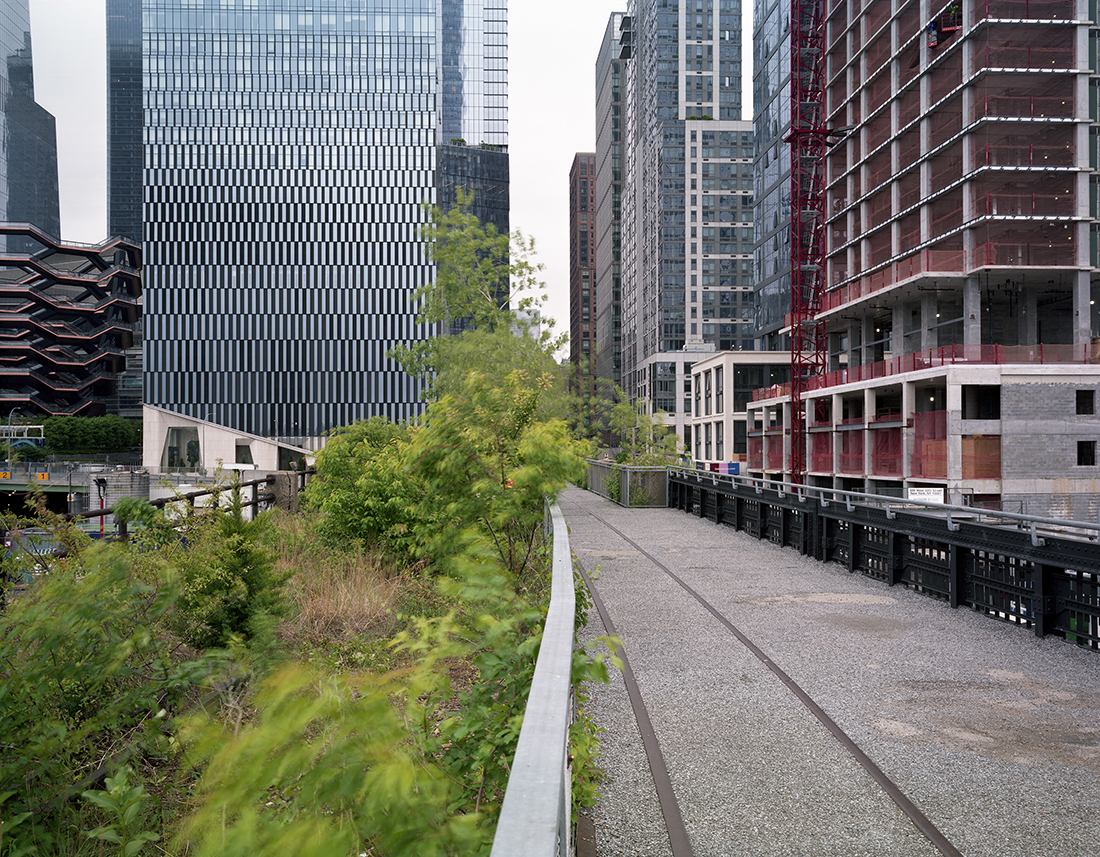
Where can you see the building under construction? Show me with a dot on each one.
(958, 245)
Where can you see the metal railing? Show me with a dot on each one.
(256, 494)
(637, 487)
(535, 817)
(1036, 572)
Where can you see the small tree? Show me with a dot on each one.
(485, 462)
(486, 294)
(363, 490)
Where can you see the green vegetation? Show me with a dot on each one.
(641, 439)
(347, 681)
(91, 434)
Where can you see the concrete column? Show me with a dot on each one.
(972, 311)
(954, 439)
(869, 335)
(1082, 308)
(1029, 324)
(868, 440)
(898, 336)
(853, 330)
(285, 488)
(929, 338)
(908, 407)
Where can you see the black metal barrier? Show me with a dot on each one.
(1050, 583)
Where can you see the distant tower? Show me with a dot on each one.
(124, 146)
(686, 203)
(614, 52)
(582, 272)
(28, 154)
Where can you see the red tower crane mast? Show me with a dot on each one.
(808, 139)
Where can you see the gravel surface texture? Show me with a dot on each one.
(993, 733)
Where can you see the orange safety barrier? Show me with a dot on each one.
(1027, 204)
(1024, 105)
(981, 457)
(930, 445)
(948, 355)
(1017, 56)
(1025, 156)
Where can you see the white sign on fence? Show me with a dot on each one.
(926, 493)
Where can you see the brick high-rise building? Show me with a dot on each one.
(960, 249)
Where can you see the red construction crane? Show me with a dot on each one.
(808, 139)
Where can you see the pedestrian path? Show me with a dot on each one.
(992, 733)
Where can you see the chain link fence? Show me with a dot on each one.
(637, 487)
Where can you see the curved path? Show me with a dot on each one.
(991, 735)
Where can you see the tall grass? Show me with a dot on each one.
(338, 594)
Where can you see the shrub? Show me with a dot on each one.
(363, 491)
(85, 685)
(230, 585)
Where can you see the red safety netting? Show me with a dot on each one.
(756, 453)
(886, 451)
(1039, 96)
(775, 452)
(1024, 144)
(851, 452)
(821, 451)
(930, 445)
(1001, 46)
(1058, 10)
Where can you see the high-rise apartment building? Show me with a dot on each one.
(687, 199)
(28, 155)
(961, 262)
(607, 321)
(582, 272)
(289, 147)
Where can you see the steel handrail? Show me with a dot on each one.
(535, 817)
(828, 495)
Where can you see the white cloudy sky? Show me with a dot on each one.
(551, 62)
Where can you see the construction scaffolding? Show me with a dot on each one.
(808, 139)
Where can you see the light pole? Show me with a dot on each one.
(101, 486)
(11, 416)
(202, 452)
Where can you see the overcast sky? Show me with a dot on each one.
(552, 48)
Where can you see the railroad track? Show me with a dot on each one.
(673, 817)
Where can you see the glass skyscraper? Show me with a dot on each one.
(288, 149)
(124, 147)
(772, 177)
(28, 136)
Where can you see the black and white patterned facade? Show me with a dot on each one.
(288, 149)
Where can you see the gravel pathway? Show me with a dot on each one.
(993, 733)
